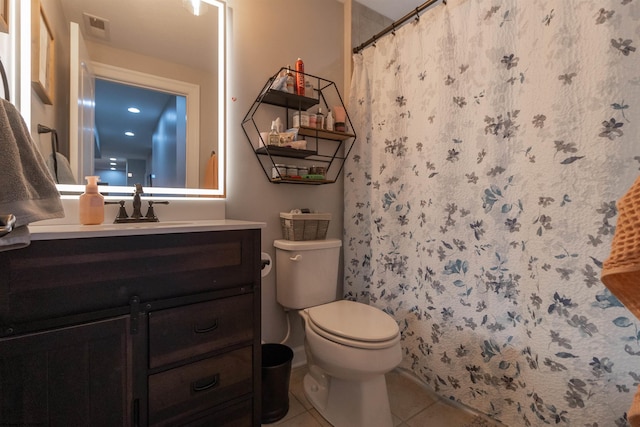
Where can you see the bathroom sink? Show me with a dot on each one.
(71, 231)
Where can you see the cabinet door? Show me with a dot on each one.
(73, 376)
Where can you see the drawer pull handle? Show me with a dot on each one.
(205, 383)
(213, 327)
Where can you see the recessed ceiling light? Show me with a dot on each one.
(112, 163)
(130, 175)
(133, 110)
(129, 133)
(113, 169)
(113, 159)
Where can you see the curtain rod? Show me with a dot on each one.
(392, 28)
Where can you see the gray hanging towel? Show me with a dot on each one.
(57, 163)
(26, 188)
(60, 168)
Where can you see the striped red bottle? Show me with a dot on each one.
(300, 77)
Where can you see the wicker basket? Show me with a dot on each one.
(311, 226)
(621, 271)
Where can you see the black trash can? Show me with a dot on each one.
(276, 372)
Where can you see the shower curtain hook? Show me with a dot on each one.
(374, 41)
(393, 28)
(444, 2)
(417, 14)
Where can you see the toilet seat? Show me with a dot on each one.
(354, 324)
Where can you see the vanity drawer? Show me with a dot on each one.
(177, 334)
(193, 388)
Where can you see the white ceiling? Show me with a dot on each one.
(394, 9)
(162, 29)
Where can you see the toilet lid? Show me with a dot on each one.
(354, 321)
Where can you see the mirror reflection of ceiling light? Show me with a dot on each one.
(112, 164)
(197, 7)
(133, 110)
(113, 169)
(113, 159)
(129, 133)
(129, 175)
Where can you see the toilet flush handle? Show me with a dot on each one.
(296, 258)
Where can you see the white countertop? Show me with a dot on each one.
(54, 232)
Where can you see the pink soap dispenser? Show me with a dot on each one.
(91, 204)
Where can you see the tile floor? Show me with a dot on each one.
(412, 405)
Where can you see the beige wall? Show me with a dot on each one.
(262, 41)
(267, 35)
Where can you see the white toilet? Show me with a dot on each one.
(350, 346)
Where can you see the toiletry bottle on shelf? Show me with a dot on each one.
(274, 136)
(91, 205)
(300, 77)
(320, 119)
(291, 81)
(329, 121)
(340, 117)
(313, 118)
(308, 89)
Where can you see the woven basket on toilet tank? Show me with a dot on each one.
(304, 226)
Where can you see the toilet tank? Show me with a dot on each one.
(306, 272)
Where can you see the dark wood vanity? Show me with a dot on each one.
(156, 329)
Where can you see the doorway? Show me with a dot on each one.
(187, 100)
(140, 135)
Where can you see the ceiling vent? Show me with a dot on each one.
(96, 27)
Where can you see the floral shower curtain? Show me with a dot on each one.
(494, 139)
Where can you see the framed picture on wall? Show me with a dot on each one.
(4, 16)
(42, 54)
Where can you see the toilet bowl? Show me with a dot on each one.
(350, 346)
(346, 381)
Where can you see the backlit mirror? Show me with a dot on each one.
(175, 48)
